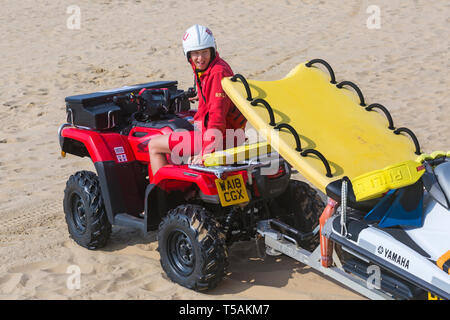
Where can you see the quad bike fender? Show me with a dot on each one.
(179, 177)
(99, 147)
(120, 175)
(168, 179)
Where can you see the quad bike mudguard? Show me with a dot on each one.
(120, 175)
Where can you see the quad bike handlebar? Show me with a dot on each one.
(154, 103)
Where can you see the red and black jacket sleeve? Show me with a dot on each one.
(218, 107)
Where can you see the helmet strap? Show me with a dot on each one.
(213, 54)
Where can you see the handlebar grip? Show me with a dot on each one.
(191, 92)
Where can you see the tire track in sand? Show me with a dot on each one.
(29, 216)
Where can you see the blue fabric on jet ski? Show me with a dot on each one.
(407, 208)
(402, 207)
(379, 211)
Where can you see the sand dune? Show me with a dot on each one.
(402, 65)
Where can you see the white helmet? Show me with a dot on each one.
(198, 37)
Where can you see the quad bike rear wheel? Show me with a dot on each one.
(300, 206)
(192, 248)
(85, 212)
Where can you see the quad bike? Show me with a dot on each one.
(196, 218)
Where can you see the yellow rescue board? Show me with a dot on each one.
(236, 154)
(328, 119)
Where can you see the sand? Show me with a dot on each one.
(403, 65)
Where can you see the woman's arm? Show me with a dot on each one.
(219, 106)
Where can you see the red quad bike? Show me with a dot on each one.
(183, 202)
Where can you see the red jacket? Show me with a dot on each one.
(214, 107)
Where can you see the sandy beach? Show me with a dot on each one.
(402, 62)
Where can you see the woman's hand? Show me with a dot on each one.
(193, 99)
(197, 159)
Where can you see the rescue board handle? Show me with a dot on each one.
(330, 70)
(294, 133)
(245, 83)
(413, 137)
(321, 157)
(354, 86)
(268, 107)
(386, 112)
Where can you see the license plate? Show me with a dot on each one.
(232, 190)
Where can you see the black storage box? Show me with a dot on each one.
(100, 110)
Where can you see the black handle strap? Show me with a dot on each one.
(294, 133)
(268, 107)
(323, 62)
(354, 86)
(386, 112)
(413, 137)
(245, 83)
(321, 157)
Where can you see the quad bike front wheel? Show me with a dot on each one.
(192, 248)
(300, 206)
(85, 212)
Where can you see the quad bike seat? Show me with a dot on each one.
(170, 120)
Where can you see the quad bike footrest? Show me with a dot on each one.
(127, 220)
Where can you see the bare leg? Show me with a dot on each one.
(158, 147)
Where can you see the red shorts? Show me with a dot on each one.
(186, 142)
(189, 143)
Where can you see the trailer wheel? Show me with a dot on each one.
(300, 207)
(85, 212)
(192, 248)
